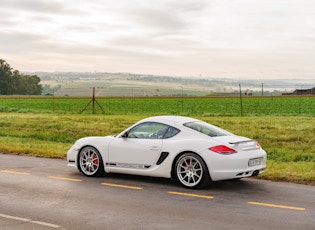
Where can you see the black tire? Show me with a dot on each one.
(90, 162)
(191, 171)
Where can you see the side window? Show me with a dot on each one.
(171, 132)
(152, 130)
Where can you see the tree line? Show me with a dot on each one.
(13, 82)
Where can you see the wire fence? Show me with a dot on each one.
(193, 106)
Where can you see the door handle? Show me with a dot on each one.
(154, 148)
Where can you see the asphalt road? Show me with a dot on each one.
(38, 193)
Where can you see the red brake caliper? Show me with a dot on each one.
(95, 159)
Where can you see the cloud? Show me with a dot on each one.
(187, 37)
(42, 6)
(170, 15)
(18, 42)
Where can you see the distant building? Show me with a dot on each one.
(304, 91)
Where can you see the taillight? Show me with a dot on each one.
(222, 149)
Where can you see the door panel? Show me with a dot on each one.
(130, 152)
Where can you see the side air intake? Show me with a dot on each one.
(162, 157)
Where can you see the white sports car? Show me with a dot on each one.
(187, 150)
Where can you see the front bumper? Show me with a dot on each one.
(72, 157)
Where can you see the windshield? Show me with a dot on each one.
(205, 128)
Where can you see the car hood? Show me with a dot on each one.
(94, 139)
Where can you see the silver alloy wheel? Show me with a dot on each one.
(189, 171)
(89, 161)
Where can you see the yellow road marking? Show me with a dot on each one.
(277, 206)
(14, 172)
(191, 195)
(64, 178)
(122, 186)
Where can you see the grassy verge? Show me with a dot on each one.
(289, 141)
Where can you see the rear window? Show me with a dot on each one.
(205, 128)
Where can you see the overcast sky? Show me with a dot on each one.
(207, 38)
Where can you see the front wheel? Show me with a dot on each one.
(90, 162)
(191, 171)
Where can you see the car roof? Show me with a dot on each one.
(169, 119)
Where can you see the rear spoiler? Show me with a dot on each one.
(239, 142)
(253, 145)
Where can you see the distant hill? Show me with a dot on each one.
(126, 84)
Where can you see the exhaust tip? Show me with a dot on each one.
(255, 173)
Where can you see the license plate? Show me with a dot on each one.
(254, 162)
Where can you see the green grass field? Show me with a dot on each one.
(191, 106)
(288, 140)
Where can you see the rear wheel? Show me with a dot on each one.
(191, 171)
(90, 162)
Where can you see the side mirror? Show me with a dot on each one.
(125, 135)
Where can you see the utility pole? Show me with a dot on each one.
(241, 100)
(132, 99)
(182, 98)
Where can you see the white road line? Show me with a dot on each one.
(29, 220)
(15, 218)
(45, 224)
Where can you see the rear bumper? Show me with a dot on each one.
(225, 167)
(227, 175)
